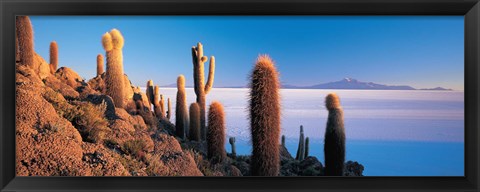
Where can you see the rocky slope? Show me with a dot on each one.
(66, 126)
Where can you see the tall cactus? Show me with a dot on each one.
(334, 147)
(181, 108)
(265, 118)
(99, 65)
(307, 147)
(231, 140)
(301, 146)
(156, 102)
(114, 77)
(216, 133)
(53, 57)
(283, 141)
(194, 129)
(24, 34)
(202, 89)
(169, 109)
(162, 106)
(149, 91)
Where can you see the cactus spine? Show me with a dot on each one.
(149, 92)
(301, 146)
(283, 141)
(114, 78)
(24, 33)
(181, 108)
(307, 143)
(99, 65)
(231, 140)
(53, 57)
(202, 89)
(264, 110)
(334, 147)
(169, 109)
(216, 133)
(194, 130)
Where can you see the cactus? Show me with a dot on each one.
(53, 57)
(283, 141)
(99, 65)
(334, 147)
(162, 106)
(156, 103)
(231, 140)
(149, 91)
(307, 142)
(301, 146)
(216, 133)
(264, 110)
(202, 89)
(194, 130)
(169, 109)
(181, 108)
(114, 77)
(24, 34)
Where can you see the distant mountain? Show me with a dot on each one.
(174, 85)
(437, 89)
(349, 83)
(346, 83)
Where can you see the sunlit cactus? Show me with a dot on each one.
(334, 147)
(156, 102)
(202, 89)
(301, 146)
(24, 34)
(162, 106)
(114, 77)
(100, 68)
(181, 113)
(231, 140)
(264, 107)
(216, 132)
(169, 109)
(53, 57)
(194, 125)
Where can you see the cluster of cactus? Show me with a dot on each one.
(194, 125)
(264, 107)
(301, 146)
(53, 57)
(181, 113)
(202, 89)
(216, 132)
(334, 147)
(231, 140)
(24, 39)
(114, 77)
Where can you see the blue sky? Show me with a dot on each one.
(420, 51)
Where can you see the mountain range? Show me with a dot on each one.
(346, 83)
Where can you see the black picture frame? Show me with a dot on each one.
(10, 8)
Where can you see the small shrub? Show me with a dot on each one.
(135, 148)
(92, 122)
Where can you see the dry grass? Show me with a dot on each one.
(135, 148)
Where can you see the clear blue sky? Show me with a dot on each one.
(420, 51)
